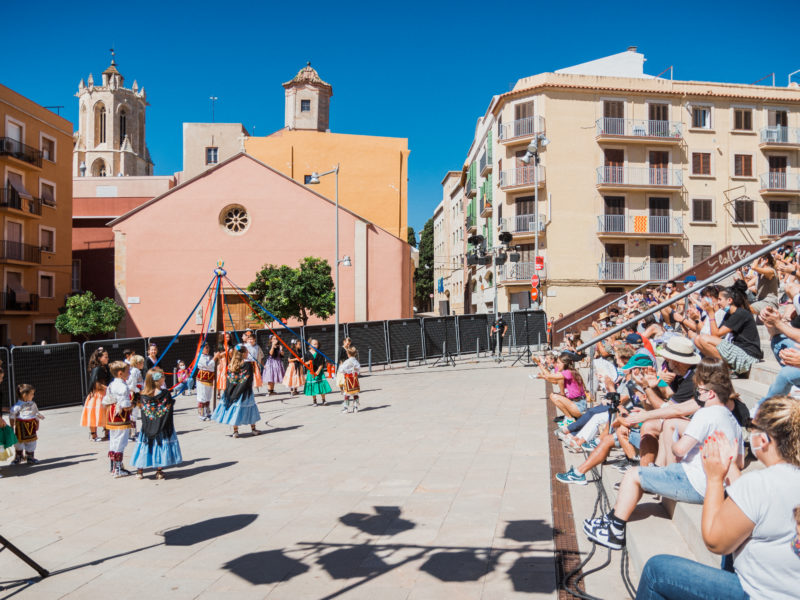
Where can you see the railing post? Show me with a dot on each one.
(369, 359)
(478, 347)
(407, 354)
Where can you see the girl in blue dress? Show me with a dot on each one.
(157, 445)
(238, 404)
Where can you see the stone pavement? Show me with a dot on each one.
(438, 488)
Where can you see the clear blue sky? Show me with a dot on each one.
(421, 70)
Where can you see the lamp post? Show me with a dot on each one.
(314, 180)
(533, 153)
(213, 100)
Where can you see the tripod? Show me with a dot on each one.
(526, 353)
(446, 357)
(24, 557)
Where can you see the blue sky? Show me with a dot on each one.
(421, 70)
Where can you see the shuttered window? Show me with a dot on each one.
(702, 210)
(701, 163)
(743, 165)
(700, 253)
(743, 119)
(743, 211)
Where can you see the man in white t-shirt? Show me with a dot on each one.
(684, 481)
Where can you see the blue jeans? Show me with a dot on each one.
(784, 380)
(182, 387)
(778, 342)
(671, 577)
(584, 418)
(670, 481)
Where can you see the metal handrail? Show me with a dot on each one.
(698, 286)
(597, 310)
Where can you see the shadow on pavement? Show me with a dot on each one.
(279, 429)
(528, 531)
(46, 464)
(187, 535)
(380, 522)
(262, 568)
(181, 473)
(369, 408)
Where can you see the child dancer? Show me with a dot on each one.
(157, 445)
(315, 379)
(117, 402)
(351, 389)
(273, 370)
(135, 384)
(238, 404)
(255, 355)
(25, 418)
(205, 382)
(294, 378)
(7, 438)
(182, 377)
(93, 415)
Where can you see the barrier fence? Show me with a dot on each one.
(59, 371)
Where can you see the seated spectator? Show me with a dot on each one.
(765, 280)
(785, 340)
(572, 397)
(744, 349)
(683, 481)
(758, 521)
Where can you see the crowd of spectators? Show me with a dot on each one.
(662, 391)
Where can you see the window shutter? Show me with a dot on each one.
(747, 165)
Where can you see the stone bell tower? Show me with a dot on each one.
(110, 140)
(308, 101)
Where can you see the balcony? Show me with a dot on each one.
(777, 227)
(644, 178)
(520, 130)
(8, 302)
(485, 163)
(10, 198)
(778, 138)
(521, 271)
(20, 151)
(17, 251)
(632, 130)
(522, 177)
(638, 271)
(779, 183)
(471, 224)
(486, 207)
(639, 225)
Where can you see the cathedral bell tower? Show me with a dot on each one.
(110, 140)
(308, 101)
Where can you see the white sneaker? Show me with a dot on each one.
(201, 417)
(344, 410)
(355, 409)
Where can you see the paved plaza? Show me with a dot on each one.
(438, 488)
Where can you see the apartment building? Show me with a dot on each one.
(639, 177)
(448, 248)
(36, 209)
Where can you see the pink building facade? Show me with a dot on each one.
(247, 214)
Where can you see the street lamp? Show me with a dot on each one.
(532, 153)
(314, 180)
(213, 100)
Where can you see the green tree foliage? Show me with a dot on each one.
(412, 237)
(423, 275)
(295, 293)
(84, 315)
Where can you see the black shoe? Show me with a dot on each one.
(558, 419)
(604, 535)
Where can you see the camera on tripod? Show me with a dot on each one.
(614, 402)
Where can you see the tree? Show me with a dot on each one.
(423, 276)
(295, 293)
(412, 237)
(84, 315)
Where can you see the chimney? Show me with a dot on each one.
(632, 48)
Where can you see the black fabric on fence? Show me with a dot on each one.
(263, 335)
(183, 349)
(54, 370)
(402, 333)
(324, 335)
(535, 330)
(370, 335)
(470, 329)
(438, 330)
(114, 347)
(5, 387)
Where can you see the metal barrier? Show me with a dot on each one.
(53, 369)
(5, 387)
(369, 335)
(473, 333)
(437, 331)
(324, 335)
(114, 348)
(183, 349)
(405, 339)
(530, 327)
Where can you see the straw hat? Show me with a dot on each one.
(680, 349)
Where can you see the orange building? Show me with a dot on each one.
(36, 211)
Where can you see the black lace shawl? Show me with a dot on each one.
(157, 416)
(239, 384)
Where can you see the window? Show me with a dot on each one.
(701, 117)
(743, 211)
(47, 239)
(743, 165)
(47, 288)
(48, 149)
(123, 126)
(76, 275)
(702, 210)
(47, 192)
(700, 253)
(234, 219)
(701, 163)
(743, 119)
(212, 155)
(305, 105)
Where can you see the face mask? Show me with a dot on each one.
(700, 403)
(761, 447)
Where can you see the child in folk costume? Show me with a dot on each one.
(223, 355)
(238, 405)
(205, 382)
(255, 355)
(135, 384)
(93, 415)
(273, 369)
(157, 445)
(25, 418)
(350, 368)
(7, 438)
(315, 378)
(295, 378)
(117, 403)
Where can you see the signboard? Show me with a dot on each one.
(539, 264)
(534, 280)
(534, 294)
